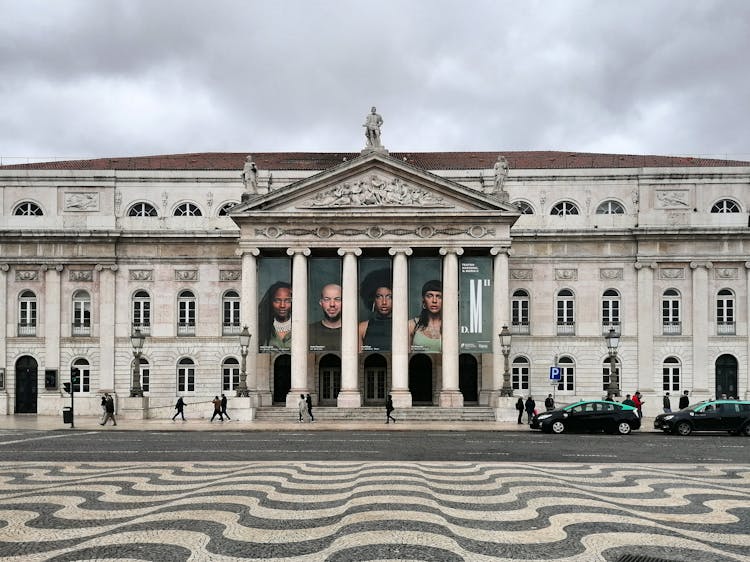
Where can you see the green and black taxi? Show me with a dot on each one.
(589, 416)
(712, 415)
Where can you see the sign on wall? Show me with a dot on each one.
(324, 304)
(475, 304)
(425, 305)
(274, 305)
(375, 304)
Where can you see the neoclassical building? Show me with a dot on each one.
(364, 274)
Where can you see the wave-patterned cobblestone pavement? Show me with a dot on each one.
(341, 511)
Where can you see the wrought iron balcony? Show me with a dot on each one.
(81, 329)
(566, 328)
(231, 329)
(726, 328)
(521, 328)
(671, 328)
(185, 329)
(26, 330)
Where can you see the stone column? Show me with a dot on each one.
(52, 314)
(701, 300)
(643, 379)
(746, 385)
(300, 346)
(500, 316)
(249, 318)
(349, 395)
(107, 322)
(450, 395)
(4, 336)
(400, 333)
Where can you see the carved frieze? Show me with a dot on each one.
(81, 275)
(375, 232)
(605, 274)
(186, 275)
(671, 273)
(230, 275)
(672, 199)
(727, 273)
(566, 274)
(81, 201)
(27, 275)
(522, 274)
(375, 191)
(141, 274)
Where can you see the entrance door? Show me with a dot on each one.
(375, 379)
(282, 378)
(330, 379)
(420, 378)
(726, 377)
(26, 385)
(467, 377)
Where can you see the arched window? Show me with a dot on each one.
(142, 209)
(186, 314)
(567, 375)
(224, 211)
(145, 371)
(671, 374)
(607, 371)
(610, 311)
(81, 314)
(80, 375)
(565, 313)
(28, 209)
(524, 207)
(725, 321)
(142, 312)
(185, 375)
(670, 313)
(610, 207)
(520, 373)
(27, 313)
(230, 374)
(564, 209)
(187, 210)
(519, 312)
(231, 312)
(725, 206)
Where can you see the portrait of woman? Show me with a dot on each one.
(377, 294)
(426, 330)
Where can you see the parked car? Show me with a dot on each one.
(589, 415)
(712, 415)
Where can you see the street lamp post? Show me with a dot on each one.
(505, 337)
(136, 340)
(244, 345)
(613, 341)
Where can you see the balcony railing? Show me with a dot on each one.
(81, 329)
(726, 329)
(231, 329)
(185, 329)
(144, 328)
(671, 328)
(521, 328)
(566, 328)
(607, 326)
(26, 330)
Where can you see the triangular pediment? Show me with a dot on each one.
(373, 183)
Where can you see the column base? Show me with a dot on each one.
(451, 399)
(505, 409)
(132, 407)
(349, 399)
(241, 408)
(401, 398)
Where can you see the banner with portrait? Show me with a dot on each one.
(274, 305)
(475, 304)
(324, 305)
(425, 305)
(375, 304)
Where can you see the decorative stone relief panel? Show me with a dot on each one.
(27, 275)
(672, 273)
(230, 275)
(672, 199)
(605, 274)
(81, 201)
(375, 191)
(375, 232)
(727, 273)
(186, 275)
(141, 274)
(566, 274)
(522, 274)
(81, 275)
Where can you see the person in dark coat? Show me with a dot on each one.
(530, 406)
(308, 400)
(180, 406)
(549, 403)
(519, 407)
(389, 409)
(224, 407)
(217, 409)
(667, 403)
(110, 410)
(684, 400)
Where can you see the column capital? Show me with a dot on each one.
(343, 251)
(697, 264)
(641, 264)
(292, 251)
(496, 250)
(451, 250)
(242, 251)
(747, 265)
(102, 267)
(400, 250)
(4, 267)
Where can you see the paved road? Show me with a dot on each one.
(454, 446)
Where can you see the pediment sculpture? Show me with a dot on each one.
(375, 191)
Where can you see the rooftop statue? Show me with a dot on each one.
(250, 176)
(372, 124)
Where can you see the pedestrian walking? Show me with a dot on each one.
(180, 406)
(549, 403)
(684, 400)
(302, 408)
(519, 407)
(628, 401)
(530, 406)
(104, 407)
(308, 401)
(389, 410)
(639, 402)
(667, 403)
(217, 409)
(224, 406)
(109, 408)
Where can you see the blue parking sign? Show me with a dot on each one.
(554, 373)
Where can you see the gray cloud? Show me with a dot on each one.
(86, 78)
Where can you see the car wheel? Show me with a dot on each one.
(684, 428)
(623, 428)
(746, 430)
(558, 427)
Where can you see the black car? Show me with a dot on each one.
(589, 415)
(713, 415)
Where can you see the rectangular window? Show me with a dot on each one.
(520, 376)
(671, 378)
(186, 379)
(145, 372)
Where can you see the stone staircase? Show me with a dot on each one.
(417, 413)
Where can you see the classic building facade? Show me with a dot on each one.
(189, 249)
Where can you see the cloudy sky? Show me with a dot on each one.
(91, 78)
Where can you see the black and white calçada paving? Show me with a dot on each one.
(355, 511)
